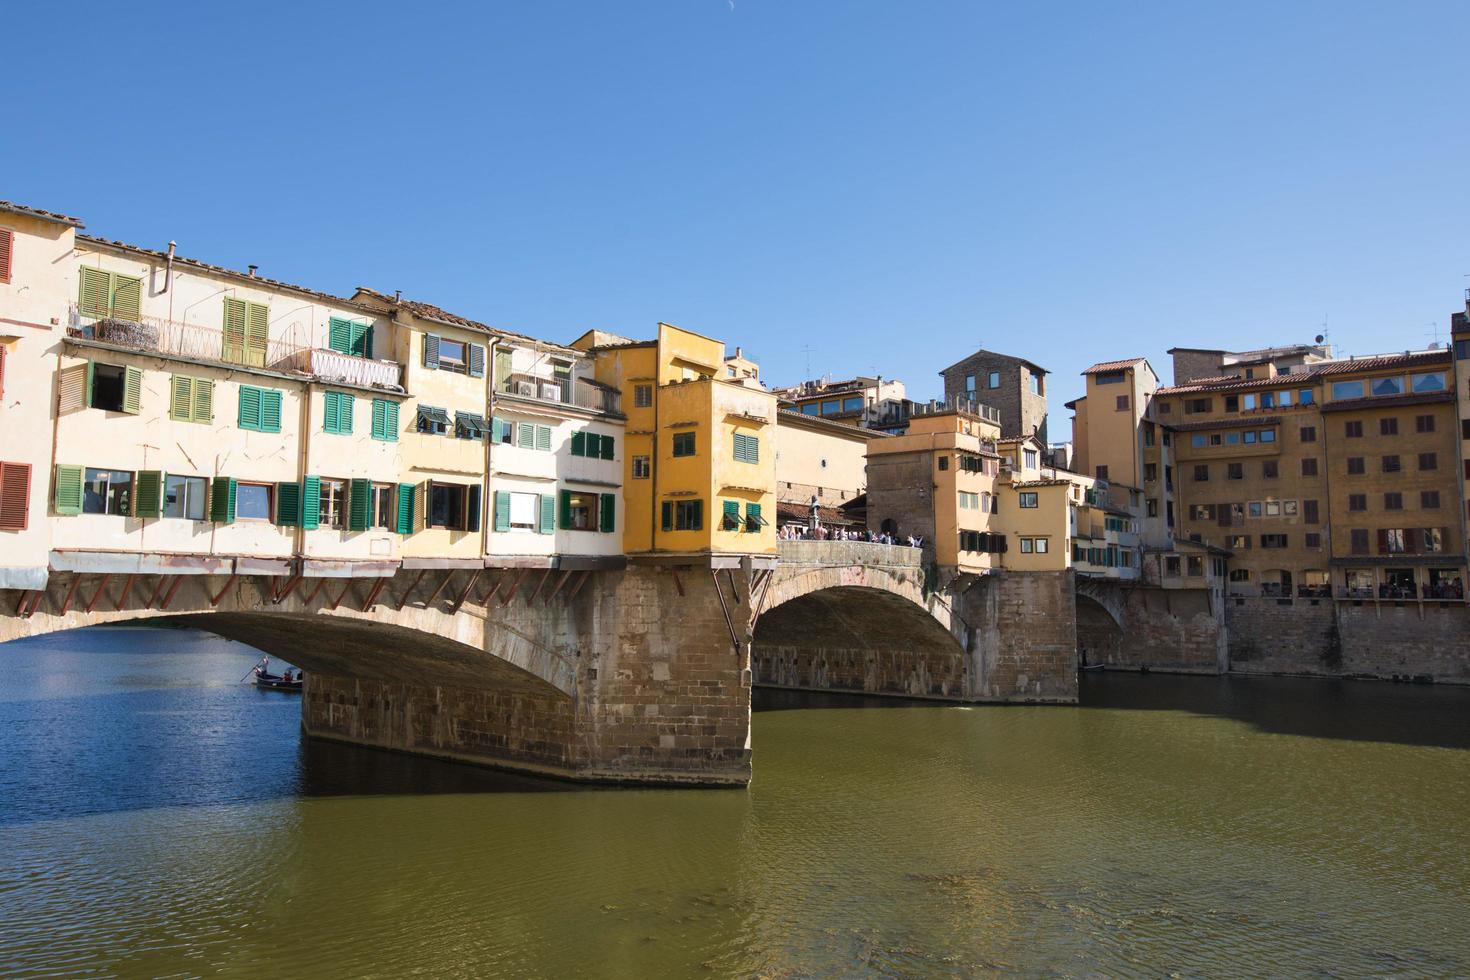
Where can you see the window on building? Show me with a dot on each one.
(446, 506)
(7, 252)
(1238, 542)
(832, 407)
(1031, 458)
(525, 511)
(1027, 499)
(643, 397)
(333, 508)
(1305, 396)
(1268, 469)
(1312, 539)
(1391, 464)
(1201, 473)
(969, 382)
(683, 515)
(1232, 403)
(1102, 472)
(1356, 466)
(1309, 433)
(1196, 406)
(1429, 499)
(350, 337)
(253, 501)
(109, 294)
(1309, 466)
(993, 381)
(1153, 507)
(641, 467)
(1171, 565)
(1253, 508)
(747, 448)
(432, 421)
(1122, 403)
(1428, 461)
(1357, 501)
(579, 511)
(1240, 575)
(107, 492)
(337, 412)
(185, 497)
(1432, 540)
(1423, 383)
(1424, 423)
(1393, 501)
(381, 506)
(1353, 429)
(1342, 390)
(1150, 472)
(1388, 426)
(1235, 471)
(943, 463)
(1273, 541)
(452, 355)
(1273, 508)
(1391, 541)
(1202, 512)
(1358, 540)
(684, 443)
(107, 387)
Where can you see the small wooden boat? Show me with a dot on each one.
(266, 681)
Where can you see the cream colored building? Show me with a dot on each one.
(821, 459)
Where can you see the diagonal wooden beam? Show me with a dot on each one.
(311, 597)
(373, 595)
(168, 596)
(586, 574)
(214, 599)
(515, 587)
(561, 580)
(282, 594)
(98, 594)
(447, 576)
(25, 597)
(343, 594)
(466, 593)
(500, 578)
(734, 592)
(76, 580)
(678, 582)
(724, 608)
(409, 591)
(539, 586)
(127, 589)
(157, 588)
(36, 600)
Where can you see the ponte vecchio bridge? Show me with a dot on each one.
(642, 674)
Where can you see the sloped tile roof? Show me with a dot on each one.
(1114, 365)
(65, 219)
(1378, 362)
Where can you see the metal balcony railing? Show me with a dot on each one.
(331, 365)
(568, 391)
(180, 339)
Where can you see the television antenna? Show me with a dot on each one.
(807, 350)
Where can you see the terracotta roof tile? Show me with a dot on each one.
(1384, 401)
(429, 311)
(66, 219)
(1244, 422)
(1317, 369)
(1114, 365)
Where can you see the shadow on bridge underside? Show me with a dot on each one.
(855, 618)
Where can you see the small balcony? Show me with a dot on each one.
(334, 366)
(580, 392)
(157, 335)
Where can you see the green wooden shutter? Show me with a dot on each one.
(288, 504)
(472, 508)
(94, 294)
(565, 496)
(91, 375)
(234, 331)
(132, 390)
(249, 408)
(203, 400)
(497, 429)
(345, 405)
(405, 509)
(543, 438)
(181, 398)
(270, 410)
(579, 443)
(668, 515)
(526, 435)
(339, 335)
(732, 516)
(390, 415)
(68, 490)
(477, 360)
(330, 419)
(257, 330)
(222, 500)
(311, 503)
(362, 345)
(360, 505)
(696, 522)
(753, 518)
(502, 510)
(148, 493)
(431, 351)
(607, 512)
(607, 447)
(548, 514)
(127, 297)
(379, 429)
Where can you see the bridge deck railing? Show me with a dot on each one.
(848, 553)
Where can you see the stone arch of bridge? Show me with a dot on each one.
(423, 645)
(1099, 633)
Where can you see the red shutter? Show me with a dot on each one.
(15, 495)
(2, 370)
(7, 240)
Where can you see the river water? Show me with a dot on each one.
(158, 818)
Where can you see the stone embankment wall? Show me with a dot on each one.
(1170, 630)
(1342, 639)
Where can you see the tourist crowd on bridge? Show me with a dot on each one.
(800, 532)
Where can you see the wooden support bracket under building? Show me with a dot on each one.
(214, 600)
(734, 592)
(515, 587)
(127, 590)
(343, 594)
(530, 600)
(560, 581)
(465, 594)
(447, 576)
(157, 588)
(311, 596)
(71, 592)
(758, 604)
(725, 608)
(497, 580)
(409, 591)
(98, 594)
(373, 595)
(578, 587)
(281, 595)
(168, 596)
(678, 582)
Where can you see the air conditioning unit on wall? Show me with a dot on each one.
(551, 393)
(526, 388)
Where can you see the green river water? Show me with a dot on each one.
(159, 819)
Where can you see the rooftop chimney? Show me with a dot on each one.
(397, 295)
(250, 270)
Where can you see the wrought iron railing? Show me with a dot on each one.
(568, 391)
(180, 339)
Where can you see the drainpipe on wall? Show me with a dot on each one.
(303, 465)
(487, 509)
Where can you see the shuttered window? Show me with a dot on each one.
(311, 503)
(526, 435)
(359, 505)
(260, 409)
(431, 351)
(731, 519)
(753, 519)
(3, 349)
(502, 511)
(472, 507)
(191, 399)
(246, 329)
(747, 448)
(385, 420)
(476, 353)
(288, 504)
(15, 495)
(148, 494)
(607, 513)
(109, 294)
(7, 251)
(543, 438)
(222, 494)
(337, 412)
(592, 445)
(68, 490)
(350, 337)
(548, 514)
(404, 516)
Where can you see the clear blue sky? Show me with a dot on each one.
(892, 184)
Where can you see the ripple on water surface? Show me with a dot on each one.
(160, 819)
